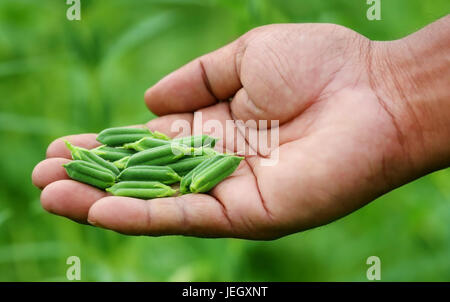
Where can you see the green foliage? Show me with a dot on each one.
(59, 77)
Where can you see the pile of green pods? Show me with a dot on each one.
(137, 162)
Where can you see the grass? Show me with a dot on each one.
(59, 77)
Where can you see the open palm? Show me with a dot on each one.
(339, 146)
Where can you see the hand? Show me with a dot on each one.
(342, 139)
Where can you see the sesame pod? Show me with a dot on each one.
(158, 156)
(187, 179)
(122, 135)
(206, 179)
(162, 174)
(79, 153)
(183, 166)
(121, 163)
(153, 142)
(204, 151)
(141, 189)
(196, 140)
(209, 151)
(159, 135)
(146, 143)
(111, 153)
(90, 173)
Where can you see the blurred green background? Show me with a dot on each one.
(59, 77)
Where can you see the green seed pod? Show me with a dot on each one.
(183, 166)
(162, 174)
(79, 153)
(191, 141)
(111, 153)
(146, 143)
(159, 135)
(90, 173)
(122, 135)
(187, 179)
(204, 151)
(197, 140)
(206, 179)
(158, 156)
(121, 163)
(141, 189)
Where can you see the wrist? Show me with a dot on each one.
(412, 77)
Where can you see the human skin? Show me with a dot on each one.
(358, 118)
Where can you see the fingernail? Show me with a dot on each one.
(93, 222)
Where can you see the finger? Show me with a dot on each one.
(216, 121)
(173, 125)
(245, 109)
(260, 133)
(263, 135)
(230, 214)
(70, 199)
(192, 214)
(58, 148)
(200, 83)
(48, 171)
